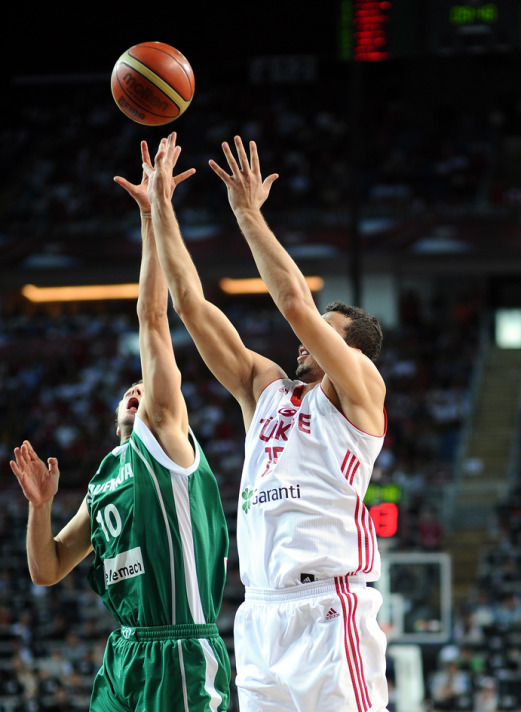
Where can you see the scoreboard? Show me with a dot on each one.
(377, 30)
(472, 26)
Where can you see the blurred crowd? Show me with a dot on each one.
(479, 670)
(405, 152)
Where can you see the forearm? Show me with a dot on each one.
(278, 270)
(214, 336)
(153, 290)
(42, 553)
(181, 274)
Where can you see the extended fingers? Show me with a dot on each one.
(145, 153)
(27, 451)
(254, 157)
(161, 150)
(234, 167)
(15, 463)
(22, 456)
(241, 153)
(168, 152)
(216, 168)
(183, 176)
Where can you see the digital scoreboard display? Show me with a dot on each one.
(472, 26)
(379, 30)
(369, 28)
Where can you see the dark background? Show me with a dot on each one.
(89, 37)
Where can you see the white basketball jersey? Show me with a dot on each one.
(301, 516)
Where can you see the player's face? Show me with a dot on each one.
(129, 405)
(308, 369)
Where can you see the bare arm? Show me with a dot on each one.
(350, 376)
(50, 558)
(241, 371)
(163, 406)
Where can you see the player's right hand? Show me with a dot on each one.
(38, 481)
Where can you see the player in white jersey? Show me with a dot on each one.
(306, 636)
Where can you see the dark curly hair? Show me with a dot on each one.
(363, 332)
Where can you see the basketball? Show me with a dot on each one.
(152, 83)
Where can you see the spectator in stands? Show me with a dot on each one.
(486, 698)
(450, 686)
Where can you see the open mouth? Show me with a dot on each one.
(302, 354)
(133, 404)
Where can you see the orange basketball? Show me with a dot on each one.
(152, 83)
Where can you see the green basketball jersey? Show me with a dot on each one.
(159, 535)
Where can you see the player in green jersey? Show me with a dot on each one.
(154, 521)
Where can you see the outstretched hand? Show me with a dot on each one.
(142, 192)
(246, 188)
(160, 179)
(38, 481)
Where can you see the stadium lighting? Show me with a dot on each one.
(89, 292)
(255, 285)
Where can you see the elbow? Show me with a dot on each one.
(293, 306)
(186, 304)
(40, 579)
(151, 313)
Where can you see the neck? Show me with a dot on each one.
(124, 435)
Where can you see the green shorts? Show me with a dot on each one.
(185, 668)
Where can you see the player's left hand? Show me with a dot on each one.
(246, 188)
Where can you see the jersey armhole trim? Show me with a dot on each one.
(364, 432)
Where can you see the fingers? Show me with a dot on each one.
(145, 153)
(172, 150)
(23, 456)
(14, 467)
(241, 153)
(230, 158)
(124, 183)
(27, 447)
(243, 164)
(216, 168)
(269, 181)
(254, 157)
(167, 155)
(52, 462)
(183, 176)
(26, 452)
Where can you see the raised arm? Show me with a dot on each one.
(162, 407)
(349, 375)
(49, 558)
(241, 371)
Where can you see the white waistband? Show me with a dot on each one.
(304, 590)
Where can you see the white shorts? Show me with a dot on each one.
(311, 647)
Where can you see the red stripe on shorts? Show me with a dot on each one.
(349, 602)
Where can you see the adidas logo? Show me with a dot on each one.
(331, 614)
